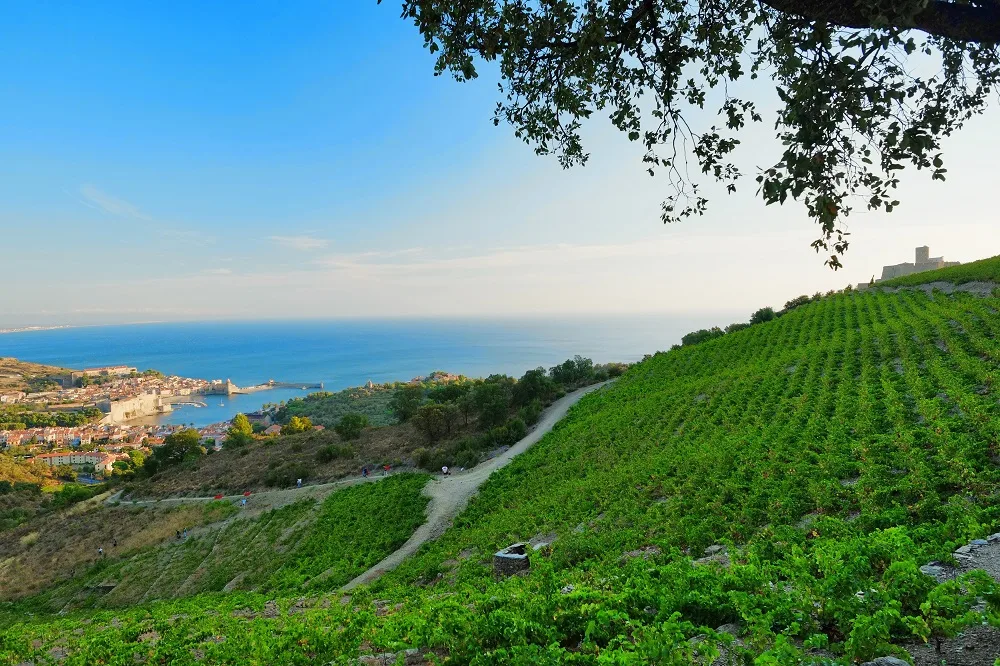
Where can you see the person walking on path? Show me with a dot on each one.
(185, 533)
(243, 502)
(100, 552)
(298, 483)
(444, 470)
(364, 472)
(385, 470)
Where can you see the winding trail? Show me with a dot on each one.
(258, 500)
(450, 494)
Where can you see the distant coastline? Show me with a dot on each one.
(25, 329)
(29, 329)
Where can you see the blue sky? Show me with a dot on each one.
(214, 160)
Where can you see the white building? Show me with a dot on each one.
(101, 461)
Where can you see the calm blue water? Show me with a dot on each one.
(346, 352)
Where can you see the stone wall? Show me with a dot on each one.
(147, 404)
(511, 560)
(923, 262)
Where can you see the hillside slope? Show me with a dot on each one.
(16, 375)
(784, 483)
(305, 545)
(984, 270)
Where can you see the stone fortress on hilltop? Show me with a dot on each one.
(924, 262)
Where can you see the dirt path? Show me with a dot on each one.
(258, 501)
(450, 494)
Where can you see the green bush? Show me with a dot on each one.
(27, 488)
(297, 424)
(703, 335)
(530, 413)
(72, 493)
(762, 315)
(331, 452)
(350, 426)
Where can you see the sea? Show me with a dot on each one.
(344, 353)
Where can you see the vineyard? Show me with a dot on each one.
(768, 496)
(284, 551)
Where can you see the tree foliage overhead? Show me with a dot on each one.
(867, 87)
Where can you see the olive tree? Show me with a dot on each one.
(866, 87)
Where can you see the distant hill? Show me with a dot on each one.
(18, 375)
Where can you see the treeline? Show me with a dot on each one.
(499, 409)
(759, 317)
(21, 418)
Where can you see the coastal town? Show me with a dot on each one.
(104, 386)
(90, 412)
(94, 446)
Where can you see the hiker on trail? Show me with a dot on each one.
(243, 502)
(114, 543)
(385, 470)
(298, 483)
(364, 472)
(444, 470)
(185, 533)
(100, 552)
(178, 535)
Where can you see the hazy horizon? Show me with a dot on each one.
(505, 317)
(166, 163)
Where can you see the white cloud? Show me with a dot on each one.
(95, 198)
(305, 243)
(500, 259)
(218, 271)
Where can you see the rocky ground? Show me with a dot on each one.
(977, 646)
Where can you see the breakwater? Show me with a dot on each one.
(229, 388)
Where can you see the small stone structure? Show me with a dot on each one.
(511, 560)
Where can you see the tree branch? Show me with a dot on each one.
(962, 22)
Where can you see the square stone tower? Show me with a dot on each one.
(923, 254)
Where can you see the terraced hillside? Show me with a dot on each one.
(770, 495)
(301, 546)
